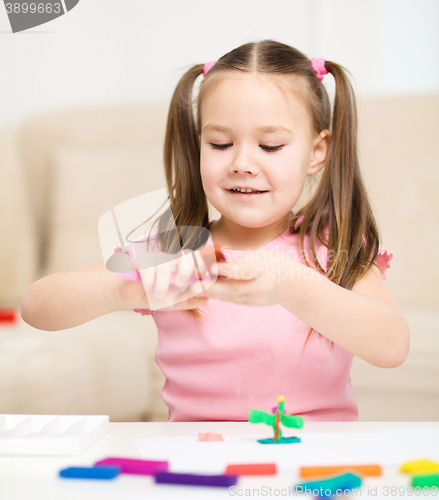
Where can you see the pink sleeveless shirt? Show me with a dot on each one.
(240, 357)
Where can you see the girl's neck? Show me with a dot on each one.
(235, 237)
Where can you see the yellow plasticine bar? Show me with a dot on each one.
(417, 466)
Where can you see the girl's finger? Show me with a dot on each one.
(163, 278)
(205, 258)
(186, 268)
(241, 271)
(223, 289)
(148, 277)
(201, 287)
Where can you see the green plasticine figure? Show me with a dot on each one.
(259, 416)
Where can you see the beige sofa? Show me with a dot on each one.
(61, 170)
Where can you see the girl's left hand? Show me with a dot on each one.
(256, 282)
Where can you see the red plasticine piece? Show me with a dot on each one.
(251, 469)
(8, 315)
(209, 436)
(218, 253)
(135, 466)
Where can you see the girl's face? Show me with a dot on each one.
(255, 136)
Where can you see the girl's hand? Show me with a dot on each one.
(259, 281)
(133, 293)
(156, 290)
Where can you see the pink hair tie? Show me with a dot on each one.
(208, 66)
(318, 65)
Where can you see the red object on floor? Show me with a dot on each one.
(8, 315)
(251, 469)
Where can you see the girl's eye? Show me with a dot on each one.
(268, 149)
(220, 146)
(271, 149)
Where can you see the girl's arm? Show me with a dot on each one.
(65, 300)
(365, 321)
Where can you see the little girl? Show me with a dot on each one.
(301, 292)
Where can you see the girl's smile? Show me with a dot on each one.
(246, 196)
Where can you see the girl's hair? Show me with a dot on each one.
(338, 214)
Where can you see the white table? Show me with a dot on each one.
(34, 478)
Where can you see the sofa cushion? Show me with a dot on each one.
(101, 127)
(399, 163)
(17, 233)
(87, 183)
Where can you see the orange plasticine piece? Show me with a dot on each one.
(209, 436)
(365, 470)
(251, 469)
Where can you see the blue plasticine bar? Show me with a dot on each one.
(90, 472)
(195, 479)
(329, 487)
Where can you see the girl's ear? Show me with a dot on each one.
(319, 152)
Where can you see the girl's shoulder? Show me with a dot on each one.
(325, 256)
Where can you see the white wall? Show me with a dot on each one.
(115, 51)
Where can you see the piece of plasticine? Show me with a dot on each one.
(259, 416)
(292, 421)
(283, 440)
(346, 481)
(196, 479)
(135, 466)
(205, 253)
(8, 315)
(365, 470)
(421, 466)
(423, 480)
(90, 472)
(251, 469)
(209, 436)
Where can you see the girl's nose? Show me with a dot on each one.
(243, 163)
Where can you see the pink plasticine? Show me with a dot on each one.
(209, 436)
(135, 466)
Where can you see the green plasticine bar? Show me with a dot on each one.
(423, 480)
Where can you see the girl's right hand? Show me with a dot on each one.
(156, 288)
(133, 293)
